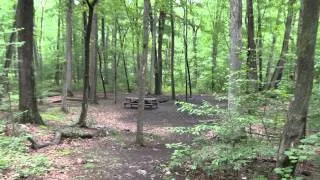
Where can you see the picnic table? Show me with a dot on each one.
(132, 102)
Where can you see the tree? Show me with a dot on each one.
(67, 88)
(173, 91)
(84, 105)
(268, 75)
(216, 23)
(251, 57)
(27, 92)
(93, 60)
(277, 74)
(294, 128)
(185, 42)
(158, 62)
(235, 50)
(153, 63)
(57, 70)
(114, 62)
(139, 135)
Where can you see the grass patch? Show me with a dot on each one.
(53, 114)
(64, 152)
(89, 166)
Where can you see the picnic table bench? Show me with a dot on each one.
(132, 102)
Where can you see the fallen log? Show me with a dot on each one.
(71, 133)
(68, 99)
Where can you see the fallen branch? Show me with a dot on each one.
(70, 132)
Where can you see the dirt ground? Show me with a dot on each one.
(116, 157)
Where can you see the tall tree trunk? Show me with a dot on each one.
(260, 46)
(251, 57)
(40, 67)
(84, 106)
(67, 85)
(235, 51)
(277, 74)
(93, 60)
(158, 69)
(9, 52)
(173, 91)
(268, 75)
(105, 43)
(122, 37)
(215, 42)
(154, 57)
(57, 70)
(143, 62)
(101, 74)
(194, 49)
(10, 49)
(27, 92)
(114, 62)
(153, 29)
(185, 40)
(294, 128)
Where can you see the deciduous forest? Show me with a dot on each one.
(159, 89)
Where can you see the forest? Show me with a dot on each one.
(159, 89)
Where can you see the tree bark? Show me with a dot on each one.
(294, 128)
(235, 51)
(143, 62)
(173, 91)
(67, 90)
(27, 92)
(57, 70)
(252, 72)
(277, 74)
(93, 60)
(260, 46)
(185, 40)
(153, 29)
(105, 43)
(84, 105)
(154, 56)
(158, 69)
(114, 62)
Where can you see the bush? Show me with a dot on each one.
(14, 156)
(220, 145)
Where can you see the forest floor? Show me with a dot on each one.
(115, 156)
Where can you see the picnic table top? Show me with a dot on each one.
(136, 98)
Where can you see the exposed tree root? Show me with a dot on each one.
(73, 133)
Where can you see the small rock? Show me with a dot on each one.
(80, 161)
(142, 172)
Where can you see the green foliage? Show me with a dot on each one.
(89, 166)
(53, 114)
(222, 145)
(314, 110)
(306, 150)
(14, 156)
(205, 109)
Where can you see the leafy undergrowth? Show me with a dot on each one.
(53, 114)
(15, 161)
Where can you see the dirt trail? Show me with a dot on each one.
(116, 157)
